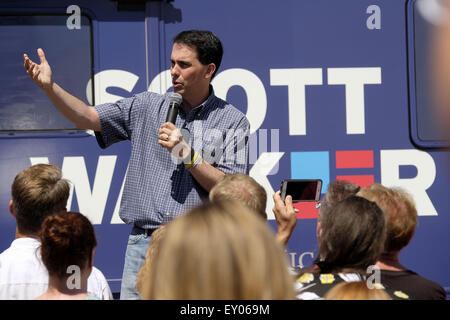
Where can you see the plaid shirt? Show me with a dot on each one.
(157, 189)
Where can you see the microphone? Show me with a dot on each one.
(174, 104)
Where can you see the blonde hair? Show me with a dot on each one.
(400, 211)
(242, 188)
(218, 251)
(355, 291)
(38, 192)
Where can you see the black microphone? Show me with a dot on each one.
(174, 104)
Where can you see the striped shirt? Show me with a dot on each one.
(157, 188)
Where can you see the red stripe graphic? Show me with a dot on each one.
(354, 159)
(361, 180)
(306, 209)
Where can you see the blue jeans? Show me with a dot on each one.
(138, 243)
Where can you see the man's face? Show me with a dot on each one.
(189, 76)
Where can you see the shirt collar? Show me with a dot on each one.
(205, 104)
(208, 100)
(26, 242)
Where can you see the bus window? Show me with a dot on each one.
(24, 107)
(425, 130)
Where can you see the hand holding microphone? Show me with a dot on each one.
(174, 104)
(171, 138)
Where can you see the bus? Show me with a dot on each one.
(333, 90)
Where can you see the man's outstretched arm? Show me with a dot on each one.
(74, 109)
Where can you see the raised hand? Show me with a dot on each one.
(286, 217)
(41, 74)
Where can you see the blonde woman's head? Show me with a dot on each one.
(355, 291)
(400, 211)
(218, 251)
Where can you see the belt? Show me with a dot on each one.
(138, 230)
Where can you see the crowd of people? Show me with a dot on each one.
(221, 249)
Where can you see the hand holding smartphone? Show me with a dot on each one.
(301, 189)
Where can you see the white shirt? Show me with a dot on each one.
(23, 275)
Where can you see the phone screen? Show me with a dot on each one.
(303, 190)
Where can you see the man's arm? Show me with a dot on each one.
(74, 109)
(204, 173)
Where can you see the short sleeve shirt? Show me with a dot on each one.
(157, 187)
(23, 275)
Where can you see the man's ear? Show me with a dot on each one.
(11, 208)
(210, 70)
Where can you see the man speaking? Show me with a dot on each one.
(172, 165)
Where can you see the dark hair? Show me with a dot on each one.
(38, 192)
(208, 46)
(67, 238)
(353, 234)
(337, 191)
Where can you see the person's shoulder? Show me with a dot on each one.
(96, 273)
(98, 285)
(427, 282)
(227, 106)
(5, 252)
(137, 101)
(226, 111)
(414, 284)
(22, 266)
(409, 275)
(21, 247)
(149, 96)
(97, 278)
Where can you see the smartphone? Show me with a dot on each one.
(301, 189)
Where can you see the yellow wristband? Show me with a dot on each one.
(188, 165)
